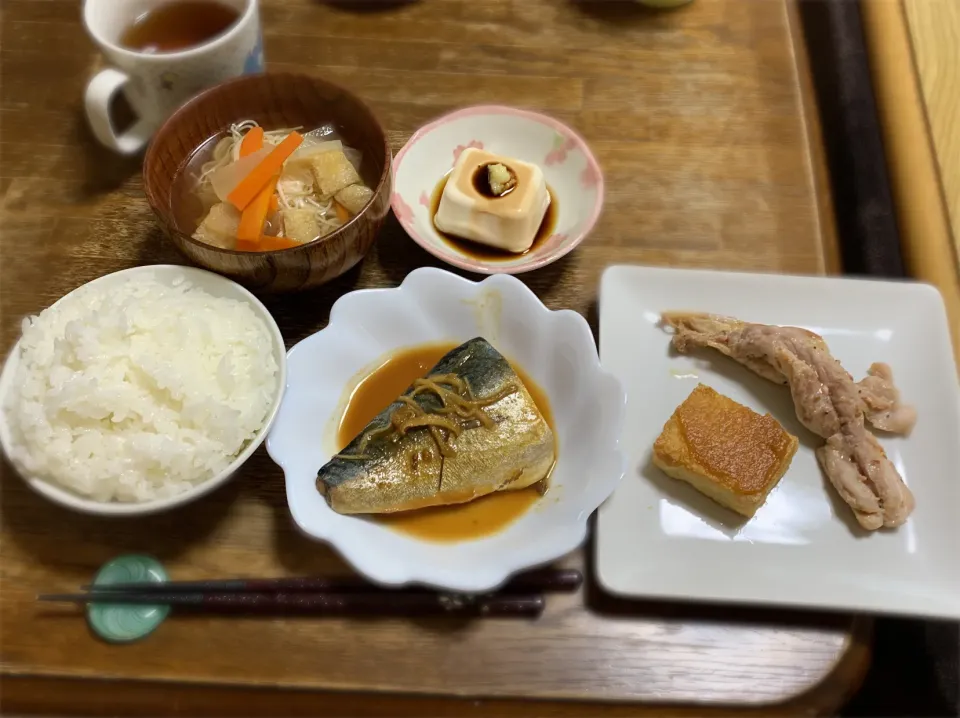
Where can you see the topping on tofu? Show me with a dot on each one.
(500, 178)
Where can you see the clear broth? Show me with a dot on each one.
(460, 522)
(186, 206)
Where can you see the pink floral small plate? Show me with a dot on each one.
(571, 171)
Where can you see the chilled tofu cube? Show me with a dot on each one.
(332, 172)
(219, 227)
(354, 197)
(509, 222)
(300, 225)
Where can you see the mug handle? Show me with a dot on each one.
(99, 94)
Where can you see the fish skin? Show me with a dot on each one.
(405, 473)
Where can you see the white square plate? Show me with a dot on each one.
(658, 537)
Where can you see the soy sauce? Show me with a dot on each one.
(481, 252)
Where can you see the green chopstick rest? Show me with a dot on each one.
(120, 623)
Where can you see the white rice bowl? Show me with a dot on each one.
(141, 387)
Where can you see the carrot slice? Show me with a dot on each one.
(266, 243)
(245, 246)
(255, 213)
(248, 188)
(343, 214)
(251, 142)
(274, 205)
(269, 243)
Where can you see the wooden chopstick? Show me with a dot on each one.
(317, 603)
(547, 580)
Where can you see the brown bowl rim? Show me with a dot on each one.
(149, 159)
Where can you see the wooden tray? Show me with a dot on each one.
(703, 123)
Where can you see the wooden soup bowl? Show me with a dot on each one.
(275, 101)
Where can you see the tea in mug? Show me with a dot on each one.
(178, 25)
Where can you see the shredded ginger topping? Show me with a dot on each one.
(459, 407)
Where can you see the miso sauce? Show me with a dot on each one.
(482, 252)
(458, 522)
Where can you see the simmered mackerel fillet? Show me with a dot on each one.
(467, 429)
(828, 402)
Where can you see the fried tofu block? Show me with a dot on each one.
(332, 172)
(354, 197)
(724, 450)
(219, 227)
(300, 225)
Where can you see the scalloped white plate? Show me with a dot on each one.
(555, 348)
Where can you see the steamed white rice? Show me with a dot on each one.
(139, 391)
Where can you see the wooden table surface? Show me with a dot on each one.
(702, 120)
(914, 49)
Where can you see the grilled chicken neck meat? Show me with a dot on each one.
(828, 402)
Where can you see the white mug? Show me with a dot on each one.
(157, 84)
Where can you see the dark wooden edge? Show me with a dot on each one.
(826, 215)
(857, 170)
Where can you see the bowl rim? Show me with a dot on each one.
(567, 535)
(67, 498)
(481, 267)
(386, 175)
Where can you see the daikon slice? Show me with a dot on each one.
(225, 179)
